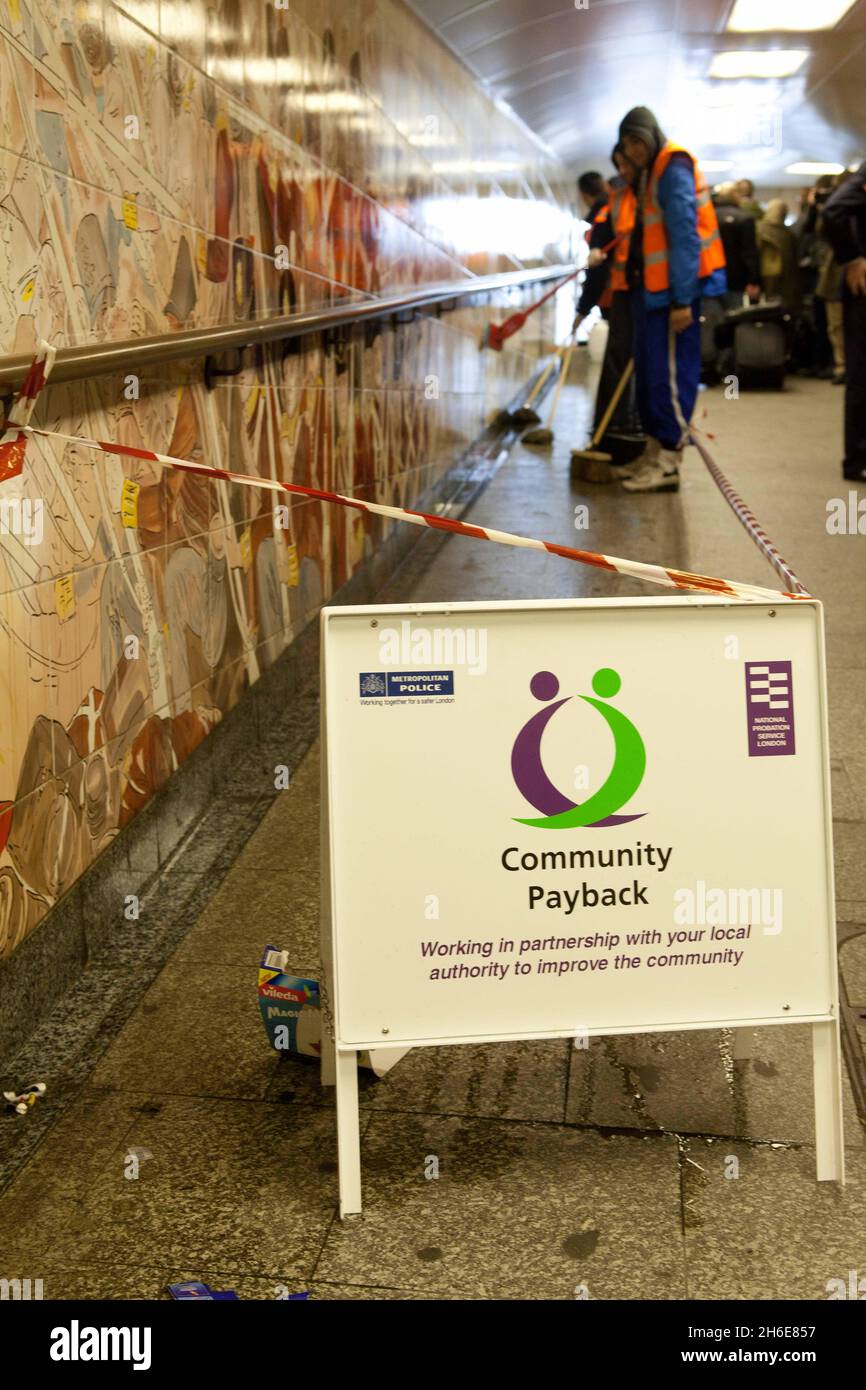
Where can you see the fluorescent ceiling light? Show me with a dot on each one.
(753, 62)
(806, 166)
(715, 166)
(800, 16)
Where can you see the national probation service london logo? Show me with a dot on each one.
(623, 780)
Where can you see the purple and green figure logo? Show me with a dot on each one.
(623, 780)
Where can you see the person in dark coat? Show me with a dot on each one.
(747, 200)
(737, 229)
(829, 290)
(593, 190)
(610, 244)
(844, 226)
(813, 351)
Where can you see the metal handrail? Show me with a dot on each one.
(98, 359)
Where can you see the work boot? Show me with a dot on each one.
(661, 474)
(644, 459)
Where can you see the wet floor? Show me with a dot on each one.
(653, 1167)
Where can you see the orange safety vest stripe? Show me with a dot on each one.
(655, 239)
(623, 208)
(599, 217)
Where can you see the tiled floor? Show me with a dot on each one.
(652, 1167)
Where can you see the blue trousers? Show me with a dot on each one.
(667, 369)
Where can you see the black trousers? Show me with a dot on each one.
(616, 357)
(854, 320)
(823, 347)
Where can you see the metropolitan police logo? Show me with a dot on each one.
(372, 683)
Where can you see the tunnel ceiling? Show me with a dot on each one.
(571, 73)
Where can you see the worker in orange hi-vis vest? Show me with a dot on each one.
(675, 259)
(614, 226)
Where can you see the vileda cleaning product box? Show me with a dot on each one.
(291, 1009)
(291, 1012)
(290, 1006)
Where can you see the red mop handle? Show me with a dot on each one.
(544, 298)
(497, 333)
(605, 250)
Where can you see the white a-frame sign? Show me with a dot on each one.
(599, 816)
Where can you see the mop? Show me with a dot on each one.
(544, 435)
(593, 464)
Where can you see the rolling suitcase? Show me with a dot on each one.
(758, 337)
(712, 315)
(760, 353)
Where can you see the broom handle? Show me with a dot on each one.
(540, 382)
(614, 402)
(544, 298)
(566, 363)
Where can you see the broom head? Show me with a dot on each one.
(591, 466)
(539, 436)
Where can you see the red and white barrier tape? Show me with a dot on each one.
(13, 441)
(748, 519)
(664, 575)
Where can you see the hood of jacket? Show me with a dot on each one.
(641, 124)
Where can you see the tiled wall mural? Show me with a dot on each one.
(169, 164)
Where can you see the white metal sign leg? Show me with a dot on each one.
(348, 1133)
(829, 1133)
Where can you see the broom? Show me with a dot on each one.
(525, 415)
(593, 464)
(544, 435)
(495, 334)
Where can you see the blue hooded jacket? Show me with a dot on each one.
(675, 195)
(676, 198)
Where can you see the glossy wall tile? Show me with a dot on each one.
(169, 164)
